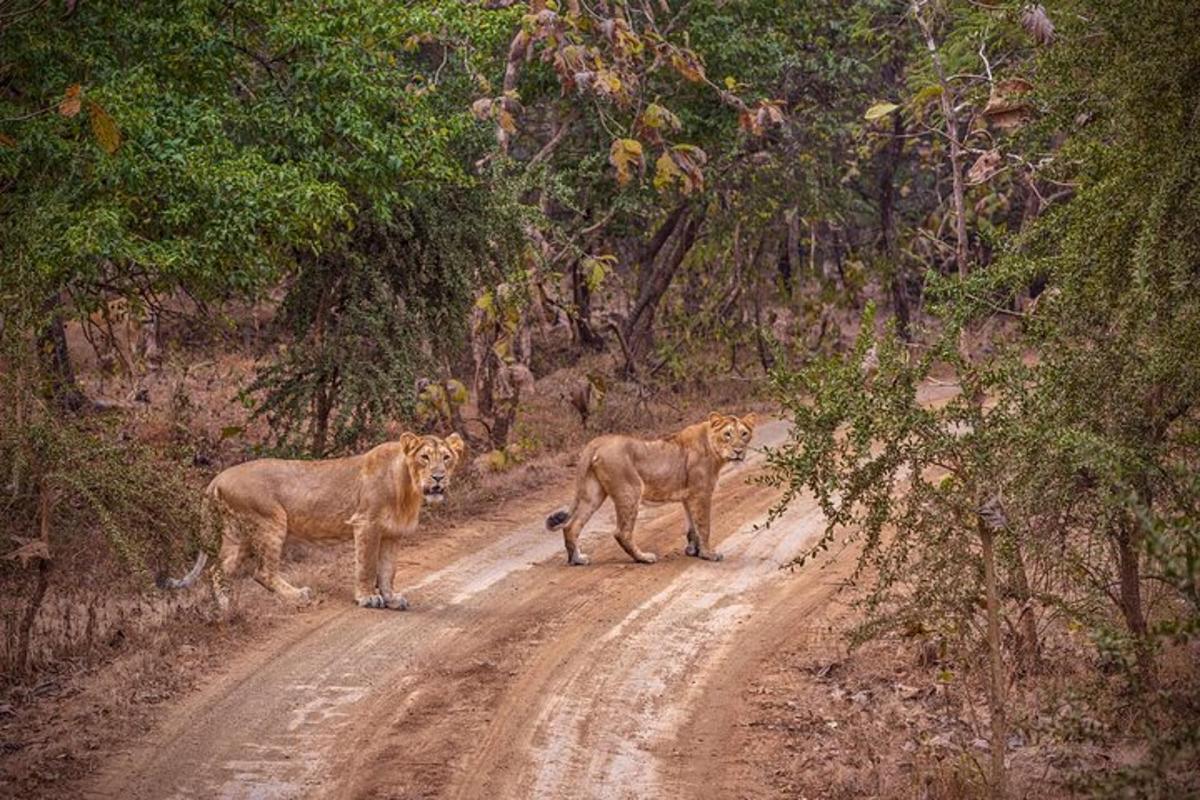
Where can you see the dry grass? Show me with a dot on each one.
(885, 720)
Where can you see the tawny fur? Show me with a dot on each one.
(682, 467)
(371, 498)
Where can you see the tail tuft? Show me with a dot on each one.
(557, 520)
(164, 582)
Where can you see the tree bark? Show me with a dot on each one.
(25, 632)
(956, 157)
(996, 664)
(659, 262)
(581, 318)
(898, 277)
(1129, 573)
(55, 356)
(1028, 646)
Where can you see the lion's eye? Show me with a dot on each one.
(425, 457)
(728, 435)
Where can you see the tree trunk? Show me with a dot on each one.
(25, 632)
(1028, 646)
(1129, 569)
(659, 263)
(323, 402)
(996, 664)
(898, 276)
(63, 390)
(581, 318)
(956, 158)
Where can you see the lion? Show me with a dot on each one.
(682, 467)
(371, 498)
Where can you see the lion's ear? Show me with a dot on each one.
(410, 442)
(750, 420)
(715, 419)
(456, 444)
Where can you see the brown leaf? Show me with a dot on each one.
(748, 121)
(1007, 107)
(482, 108)
(71, 102)
(104, 128)
(7, 141)
(657, 120)
(985, 167)
(688, 64)
(690, 160)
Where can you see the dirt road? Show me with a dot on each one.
(513, 675)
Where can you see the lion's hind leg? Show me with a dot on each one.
(270, 536)
(627, 501)
(233, 558)
(231, 561)
(589, 497)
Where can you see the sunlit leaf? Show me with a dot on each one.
(879, 111)
(666, 172)
(625, 155)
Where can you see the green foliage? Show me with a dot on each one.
(1080, 433)
(367, 323)
(230, 146)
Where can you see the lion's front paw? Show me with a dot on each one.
(647, 558)
(578, 560)
(371, 601)
(711, 555)
(692, 549)
(305, 595)
(396, 602)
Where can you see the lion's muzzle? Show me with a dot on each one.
(435, 491)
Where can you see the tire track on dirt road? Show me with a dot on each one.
(512, 676)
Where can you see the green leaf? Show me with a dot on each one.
(879, 111)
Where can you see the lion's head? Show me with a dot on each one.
(432, 460)
(729, 436)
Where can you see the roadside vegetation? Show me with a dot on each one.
(252, 228)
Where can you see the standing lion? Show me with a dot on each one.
(682, 467)
(372, 498)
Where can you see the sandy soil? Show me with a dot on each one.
(513, 675)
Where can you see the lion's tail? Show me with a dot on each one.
(187, 580)
(559, 519)
(207, 512)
